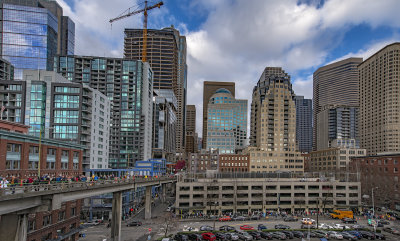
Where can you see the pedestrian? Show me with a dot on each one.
(4, 183)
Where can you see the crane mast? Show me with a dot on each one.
(144, 11)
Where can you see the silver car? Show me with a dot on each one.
(233, 236)
(244, 236)
(335, 235)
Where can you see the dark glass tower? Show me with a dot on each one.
(303, 123)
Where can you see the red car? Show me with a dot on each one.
(209, 236)
(246, 227)
(225, 218)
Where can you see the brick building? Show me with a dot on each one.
(380, 172)
(203, 161)
(234, 163)
(20, 158)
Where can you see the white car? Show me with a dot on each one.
(340, 226)
(335, 235)
(325, 226)
(189, 229)
(307, 221)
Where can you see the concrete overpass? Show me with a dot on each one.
(17, 202)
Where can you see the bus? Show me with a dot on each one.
(340, 214)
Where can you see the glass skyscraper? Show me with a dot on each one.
(303, 123)
(226, 122)
(129, 86)
(30, 34)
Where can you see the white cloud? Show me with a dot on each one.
(240, 38)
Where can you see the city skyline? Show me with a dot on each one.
(305, 36)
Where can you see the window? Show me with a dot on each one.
(51, 151)
(73, 212)
(46, 220)
(31, 225)
(61, 215)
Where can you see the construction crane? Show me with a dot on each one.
(144, 11)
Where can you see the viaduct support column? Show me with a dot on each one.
(116, 216)
(147, 205)
(164, 193)
(14, 227)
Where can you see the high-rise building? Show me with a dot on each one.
(337, 127)
(191, 135)
(6, 70)
(226, 122)
(59, 109)
(303, 123)
(209, 88)
(33, 32)
(273, 124)
(334, 84)
(166, 54)
(164, 126)
(129, 86)
(379, 121)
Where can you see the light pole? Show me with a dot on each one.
(373, 208)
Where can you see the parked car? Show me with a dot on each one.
(261, 227)
(308, 226)
(290, 219)
(367, 235)
(380, 236)
(288, 234)
(226, 228)
(189, 229)
(278, 235)
(195, 237)
(221, 236)
(244, 236)
(355, 233)
(256, 235)
(384, 222)
(307, 221)
(134, 223)
(298, 234)
(246, 227)
(281, 226)
(358, 227)
(348, 236)
(206, 228)
(391, 230)
(320, 233)
(340, 226)
(312, 235)
(335, 235)
(232, 236)
(225, 218)
(325, 226)
(255, 217)
(181, 237)
(266, 235)
(209, 236)
(239, 218)
(349, 220)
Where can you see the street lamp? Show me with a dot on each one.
(373, 207)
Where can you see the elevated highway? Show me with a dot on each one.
(17, 202)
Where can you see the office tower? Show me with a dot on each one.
(12, 94)
(164, 126)
(209, 88)
(191, 138)
(334, 84)
(166, 54)
(226, 122)
(379, 120)
(33, 32)
(273, 124)
(56, 108)
(303, 123)
(337, 127)
(129, 86)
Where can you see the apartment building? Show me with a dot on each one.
(234, 163)
(203, 161)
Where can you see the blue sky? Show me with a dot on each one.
(234, 40)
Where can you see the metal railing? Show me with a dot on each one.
(54, 187)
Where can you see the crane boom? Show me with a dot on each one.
(144, 11)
